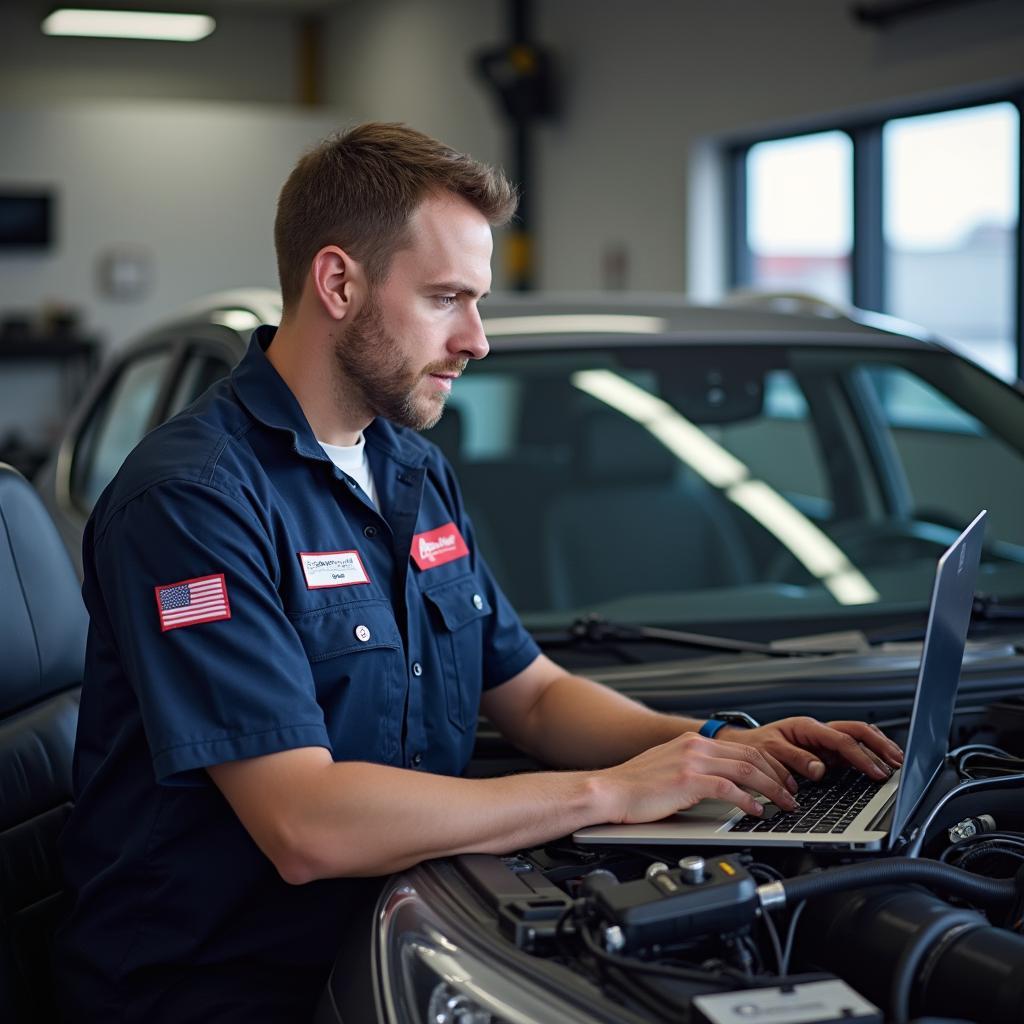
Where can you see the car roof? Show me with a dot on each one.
(571, 320)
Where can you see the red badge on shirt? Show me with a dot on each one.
(435, 547)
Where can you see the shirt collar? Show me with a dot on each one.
(262, 390)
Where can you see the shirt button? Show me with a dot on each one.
(417, 760)
(370, 531)
(417, 668)
(478, 602)
(362, 633)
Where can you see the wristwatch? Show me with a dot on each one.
(720, 719)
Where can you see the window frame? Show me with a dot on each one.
(868, 258)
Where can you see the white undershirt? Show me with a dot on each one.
(351, 459)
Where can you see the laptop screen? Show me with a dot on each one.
(939, 674)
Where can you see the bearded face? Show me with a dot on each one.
(390, 382)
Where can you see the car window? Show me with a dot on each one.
(116, 424)
(688, 483)
(780, 444)
(200, 370)
(954, 465)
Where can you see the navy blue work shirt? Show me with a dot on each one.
(245, 598)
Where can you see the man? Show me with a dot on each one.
(292, 632)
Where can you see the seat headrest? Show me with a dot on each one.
(43, 621)
(611, 448)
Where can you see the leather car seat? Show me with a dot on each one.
(42, 639)
(637, 520)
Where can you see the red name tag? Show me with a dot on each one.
(435, 547)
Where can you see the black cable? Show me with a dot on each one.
(766, 869)
(1010, 839)
(988, 850)
(560, 944)
(944, 877)
(990, 767)
(647, 967)
(653, 1001)
(970, 748)
(790, 935)
(741, 951)
(773, 935)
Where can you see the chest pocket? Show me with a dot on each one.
(355, 654)
(461, 608)
(348, 628)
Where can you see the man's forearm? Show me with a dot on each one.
(367, 819)
(581, 724)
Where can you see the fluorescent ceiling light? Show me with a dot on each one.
(180, 28)
(573, 323)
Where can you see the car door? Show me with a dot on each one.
(156, 378)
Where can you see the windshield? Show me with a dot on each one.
(684, 483)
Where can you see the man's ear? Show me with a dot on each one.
(338, 282)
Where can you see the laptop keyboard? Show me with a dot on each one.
(828, 805)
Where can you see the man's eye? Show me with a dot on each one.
(446, 300)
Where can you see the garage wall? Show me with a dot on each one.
(630, 172)
(630, 168)
(191, 186)
(409, 60)
(649, 89)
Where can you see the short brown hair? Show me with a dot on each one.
(357, 190)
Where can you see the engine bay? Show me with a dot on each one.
(936, 930)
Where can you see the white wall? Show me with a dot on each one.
(193, 185)
(409, 60)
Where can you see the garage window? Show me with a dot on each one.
(800, 216)
(915, 215)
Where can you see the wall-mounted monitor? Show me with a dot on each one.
(26, 219)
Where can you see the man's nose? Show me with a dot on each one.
(471, 340)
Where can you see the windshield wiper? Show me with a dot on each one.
(592, 629)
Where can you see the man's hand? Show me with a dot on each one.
(676, 775)
(806, 745)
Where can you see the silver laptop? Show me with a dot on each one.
(851, 812)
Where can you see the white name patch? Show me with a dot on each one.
(332, 569)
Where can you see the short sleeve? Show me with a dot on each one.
(187, 577)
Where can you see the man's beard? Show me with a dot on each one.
(370, 360)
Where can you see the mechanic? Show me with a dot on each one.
(292, 632)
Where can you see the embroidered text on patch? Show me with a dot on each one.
(204, 599)
(435, 547)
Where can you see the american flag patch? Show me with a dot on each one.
(204, 599)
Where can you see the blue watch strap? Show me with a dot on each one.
(711, 726)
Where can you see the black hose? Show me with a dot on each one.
(944, 877)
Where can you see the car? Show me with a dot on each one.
(703, 506)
